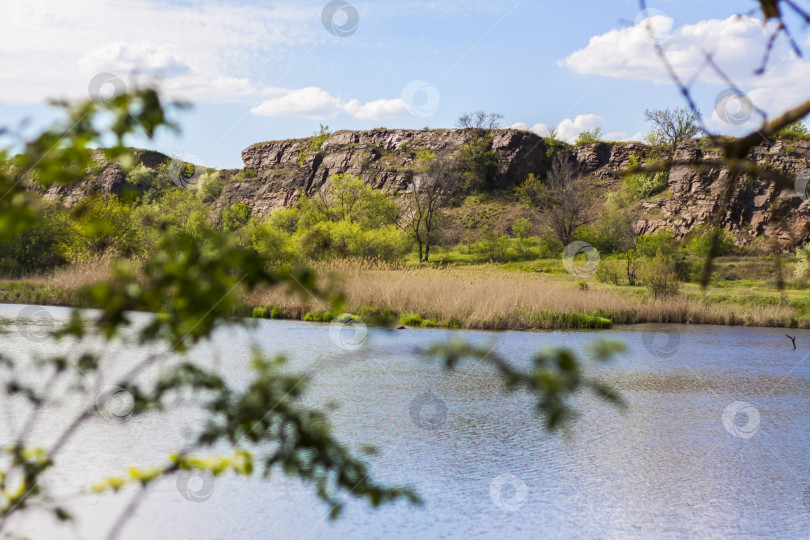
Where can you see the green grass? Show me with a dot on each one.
(571, 321)
(410, 319)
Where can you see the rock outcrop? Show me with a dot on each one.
(276, 172)
(757, 209)
(385, 159)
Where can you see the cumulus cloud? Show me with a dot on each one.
(145, 57)
(736, 44)
(203, 51)
(567, 130)
(628, 53)
(318, 104)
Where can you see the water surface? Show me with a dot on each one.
(666, 468)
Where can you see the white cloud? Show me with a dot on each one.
(627, 53)
(736, 45)
(567, 130)
(318, 104)
(205, 51)
(145, 57)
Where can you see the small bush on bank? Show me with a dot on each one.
(659, 276)
(608, 272)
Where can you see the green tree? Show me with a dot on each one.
(235, 217)
(476, 160)
(564, 200)
(660, 277)
(209, 186)
(426, 194)
(670, 127)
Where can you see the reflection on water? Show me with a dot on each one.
(714, 443)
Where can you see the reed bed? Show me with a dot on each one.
(477, 297)
(58, 288)
(489, 298)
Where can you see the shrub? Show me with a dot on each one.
(375, 315)
(141, 177)
(521, 228)
(270, 243)
(796, 130)
(701, 239)
(318, 138)
(648, 245)
(493, 247)
(589, 136)
(410, 319)
(40, 247)
(803, 263)
(245, 174)
(209, 186)
(319, 315)
(582, 285)
(235, 217)
(643, 185)
(608, 272)
(659, 276)
(285, 219)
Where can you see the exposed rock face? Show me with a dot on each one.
(111, 179)
(755, 205)
(385, 159)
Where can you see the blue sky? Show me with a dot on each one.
(271, 70)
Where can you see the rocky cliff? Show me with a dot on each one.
(757, 208)
(276, 172)
(385, 159)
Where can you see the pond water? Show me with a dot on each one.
(714, 443)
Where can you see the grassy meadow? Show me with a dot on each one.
(523, 295)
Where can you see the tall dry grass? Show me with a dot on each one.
(481, 297)
(58, 287)
(489, 298)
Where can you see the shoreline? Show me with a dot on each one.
(376, 318)
(485, 297)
